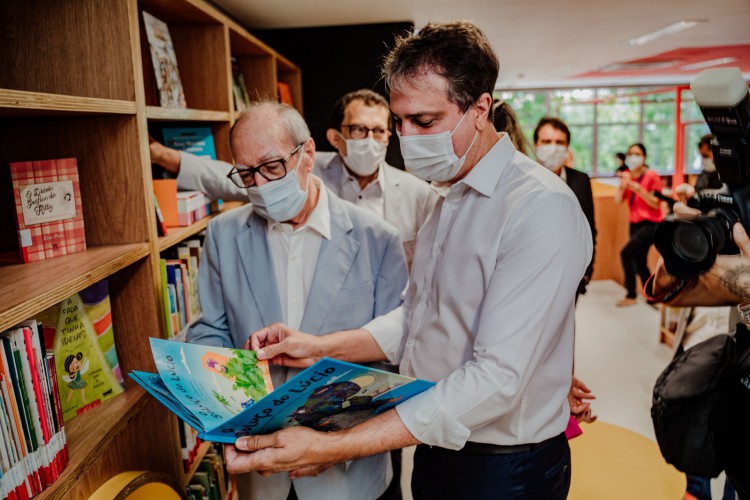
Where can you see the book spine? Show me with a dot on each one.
(23, 400)
(27, 366)
(21, 469)
(39, 403)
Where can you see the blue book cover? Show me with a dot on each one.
(196, 140)
(226, 393)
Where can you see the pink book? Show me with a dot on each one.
(48, 208)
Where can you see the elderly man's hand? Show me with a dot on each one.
(167, 158)
(296, 449)
(285, 346)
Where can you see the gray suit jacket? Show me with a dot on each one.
(408, 200)
(359, 275)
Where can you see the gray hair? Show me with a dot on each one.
(293, 122)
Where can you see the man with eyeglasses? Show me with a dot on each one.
(299, 255)
(360, 131)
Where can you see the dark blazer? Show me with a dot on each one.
(580, 184)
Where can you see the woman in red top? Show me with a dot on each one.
(637, 188)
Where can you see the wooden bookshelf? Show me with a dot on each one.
(80, 83)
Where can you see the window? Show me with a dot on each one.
(606, 121)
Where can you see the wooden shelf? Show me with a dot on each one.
(177, 234)
(202, 450)
(89, 434)
(22, 103)
(174, 114)
(30, 288)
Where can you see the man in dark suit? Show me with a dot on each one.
(551, 141)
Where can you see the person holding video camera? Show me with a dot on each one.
(637, 187)
(701, 407)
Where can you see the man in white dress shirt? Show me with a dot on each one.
(489, 309)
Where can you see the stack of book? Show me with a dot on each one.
(179, 208)
(34, 448)
(179, 271)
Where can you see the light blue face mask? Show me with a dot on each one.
(280, 200)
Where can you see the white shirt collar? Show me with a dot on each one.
(348, 178)
(320, 218)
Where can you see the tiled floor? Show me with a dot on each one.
(619, 356)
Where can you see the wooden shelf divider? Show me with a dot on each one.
(21, 103)
(170, 114)
(30, 288)
(177, 234)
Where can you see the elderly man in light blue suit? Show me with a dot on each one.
(298, 254)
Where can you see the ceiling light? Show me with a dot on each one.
(709, 63)
(666, 30)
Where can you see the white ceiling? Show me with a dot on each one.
(539, 43)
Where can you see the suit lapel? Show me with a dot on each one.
(331, 173)
(334, 262)
(252, 246)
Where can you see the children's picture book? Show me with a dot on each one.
(171, 94)
(79, 331)
(196, 140)
(227, 393)
(48, 208)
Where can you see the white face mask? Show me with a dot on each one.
(708, 165)
(634, 161)
(364, 156)
(552, 156)
(431, 157)
(280, 200)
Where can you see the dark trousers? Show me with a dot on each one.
(542, 472)
(635, 253)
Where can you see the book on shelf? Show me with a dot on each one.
(34, 451)
(196, 140)
(239, 88)
(161, 226)
(227, 393)
(180, 208)
(179, 270)
(171, 94)
(80, 333)
(49, 213)
(285, 93)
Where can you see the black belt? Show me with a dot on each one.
(494, 449)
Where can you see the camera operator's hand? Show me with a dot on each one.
(726, 283)
(684, 192)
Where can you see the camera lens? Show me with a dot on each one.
(690, 243)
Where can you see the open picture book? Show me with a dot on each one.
(227, 393)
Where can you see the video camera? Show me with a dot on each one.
(690, 247)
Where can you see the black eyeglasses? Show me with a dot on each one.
(273, 170)
(357, 131)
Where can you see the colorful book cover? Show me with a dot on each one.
(79, 332)
(48, 208)
(171, 94)
(196, 140)
(226, 393)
